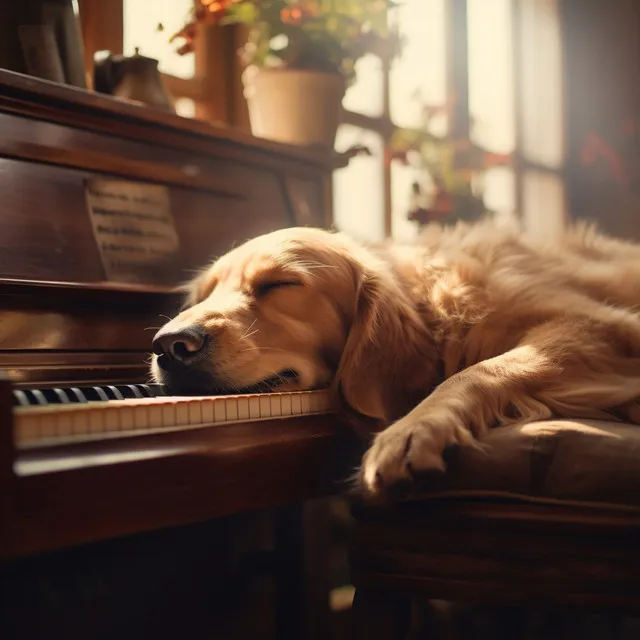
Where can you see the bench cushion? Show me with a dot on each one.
(580, 461)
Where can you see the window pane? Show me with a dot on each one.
(422, 66)
(365, 95)
(491, 101)
(141, 18)
(543, 204)
(541, 77)
(358, 189)
(500, 194)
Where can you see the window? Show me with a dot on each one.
(501, 59)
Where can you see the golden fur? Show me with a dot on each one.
(434, 342)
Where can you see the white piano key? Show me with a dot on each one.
(140, 417)
(286, 405)
(265, 406)
(276, 406)
(96, 421)
(219, 410)
(111, 420)
(127, 422)
(57, 424)
(243, 408)
(79, 423)
(231, 408)
(53, 424)
(155, 416)
(26, 429)
(195, 412)
(182, 413)
(254, 407)
(208, 411)
(169, 414)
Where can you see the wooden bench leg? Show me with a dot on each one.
(381, 615)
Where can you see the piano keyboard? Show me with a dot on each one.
(48, 417)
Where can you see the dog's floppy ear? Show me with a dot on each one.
(387, 341)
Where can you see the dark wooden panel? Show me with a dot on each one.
(45, 316)
(505, 552)
(209, 227)
(72, 495)
(68, 146)
(46, 231)
(44, 226)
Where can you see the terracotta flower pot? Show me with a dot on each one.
(294, 106)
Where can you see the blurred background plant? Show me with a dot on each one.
(328, 36)
(449, 171)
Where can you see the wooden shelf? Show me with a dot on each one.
(97, 112)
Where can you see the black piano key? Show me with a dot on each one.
(145, 390)
(75, 395)
(21, 398)
(94, 394)
(100, 393)
(130, 391)
(56, 396)
(82, 395)
(36, 397)
(113, 392)
(155, 390)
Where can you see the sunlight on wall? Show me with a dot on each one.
(492, 96)
(422, 65)
(185, 107)
(417, 78)
(365, 95)
(358, 188)
(141, 18)
(544, 210)
(542, 101)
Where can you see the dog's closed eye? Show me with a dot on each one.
(263, 288)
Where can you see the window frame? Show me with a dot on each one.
(457, 72)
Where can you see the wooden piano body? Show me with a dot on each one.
(65, 509)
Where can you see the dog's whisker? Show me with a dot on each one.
(263, 349)
(244, 336)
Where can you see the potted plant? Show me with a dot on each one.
(299, 58)
(449, 185)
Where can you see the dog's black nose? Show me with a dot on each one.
(179, 345)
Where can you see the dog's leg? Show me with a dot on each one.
(574, 367)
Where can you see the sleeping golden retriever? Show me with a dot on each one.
(428, 344)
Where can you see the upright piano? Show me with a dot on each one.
(107, 484)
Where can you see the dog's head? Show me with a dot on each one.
(295, 309)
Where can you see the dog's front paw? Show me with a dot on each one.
(407, 449)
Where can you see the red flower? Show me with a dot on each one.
(594, 148)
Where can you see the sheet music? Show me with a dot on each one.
(134, 230)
